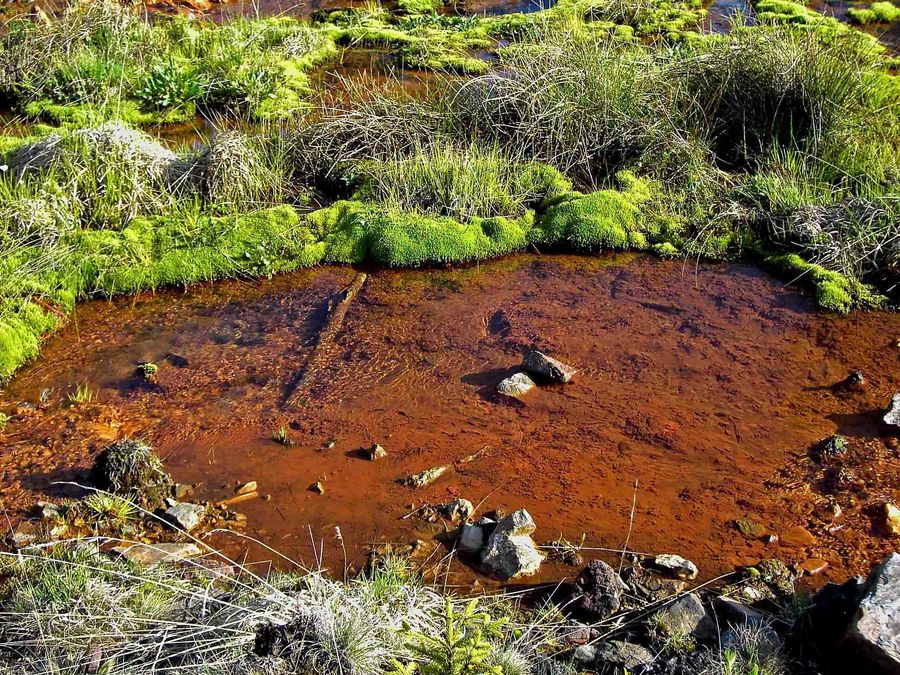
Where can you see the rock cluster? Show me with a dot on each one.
(538, 364)
(505, 548)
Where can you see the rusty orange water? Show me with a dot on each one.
(701, 389)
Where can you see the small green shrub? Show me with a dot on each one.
(169, 85)
(463, 646)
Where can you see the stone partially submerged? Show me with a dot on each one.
(516, 385)
(510, 551)
(537, 362)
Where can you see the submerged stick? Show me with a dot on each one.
(336, 311)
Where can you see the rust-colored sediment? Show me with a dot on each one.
(707, 384)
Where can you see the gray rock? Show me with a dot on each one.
(424, 478)
(675, 565)
(597, 591)
(538, 362)
(510, 556)
(471, 538)
(584, 657)
(875, 629)
(515, 524)
(892, 414)
(737, 613)
(686, 616)
(623, 655)
(185, 516)
(153, 554)
(516, 385)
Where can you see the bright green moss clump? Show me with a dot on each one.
(355, 232)
(600, 220)
(878, 12)
(833, 290)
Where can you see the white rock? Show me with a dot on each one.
(875, 630)
(185, 515)
(892, 414)
(517, 523)
(507, 557)
(675, 565)
(516, 385)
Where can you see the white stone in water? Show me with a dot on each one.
(517, 523)
(508, 557)
(675, 565)
(516, 385)
(892, 414)
(425, 477)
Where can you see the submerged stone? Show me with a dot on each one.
(426, 477)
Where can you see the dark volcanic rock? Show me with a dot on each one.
(597, 591)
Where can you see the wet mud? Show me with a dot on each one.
(702, 392)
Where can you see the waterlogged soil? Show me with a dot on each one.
(701, 391)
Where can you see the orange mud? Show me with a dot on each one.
(704, 385)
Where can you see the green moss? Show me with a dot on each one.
(833, 291)
(599, 220)
(354, 232)
(878, 12)
(419, 6)
(22, 326)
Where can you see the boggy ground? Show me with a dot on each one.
(707, 385)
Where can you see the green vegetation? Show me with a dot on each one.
(779, 141)
(129, 469)
(105, 60)
(81, 394)
(282, 437)
(877, 12)
(61, 608)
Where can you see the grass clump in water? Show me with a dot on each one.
(130, 469)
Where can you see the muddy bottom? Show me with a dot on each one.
(700, 393)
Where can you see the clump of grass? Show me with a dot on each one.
(70, 606)
(82, 394)
(283, 437)
(148, 371)
(877, 12)
(130, 469)
(109, 508)
(463, 184)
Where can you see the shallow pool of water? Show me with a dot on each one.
(701, 389)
